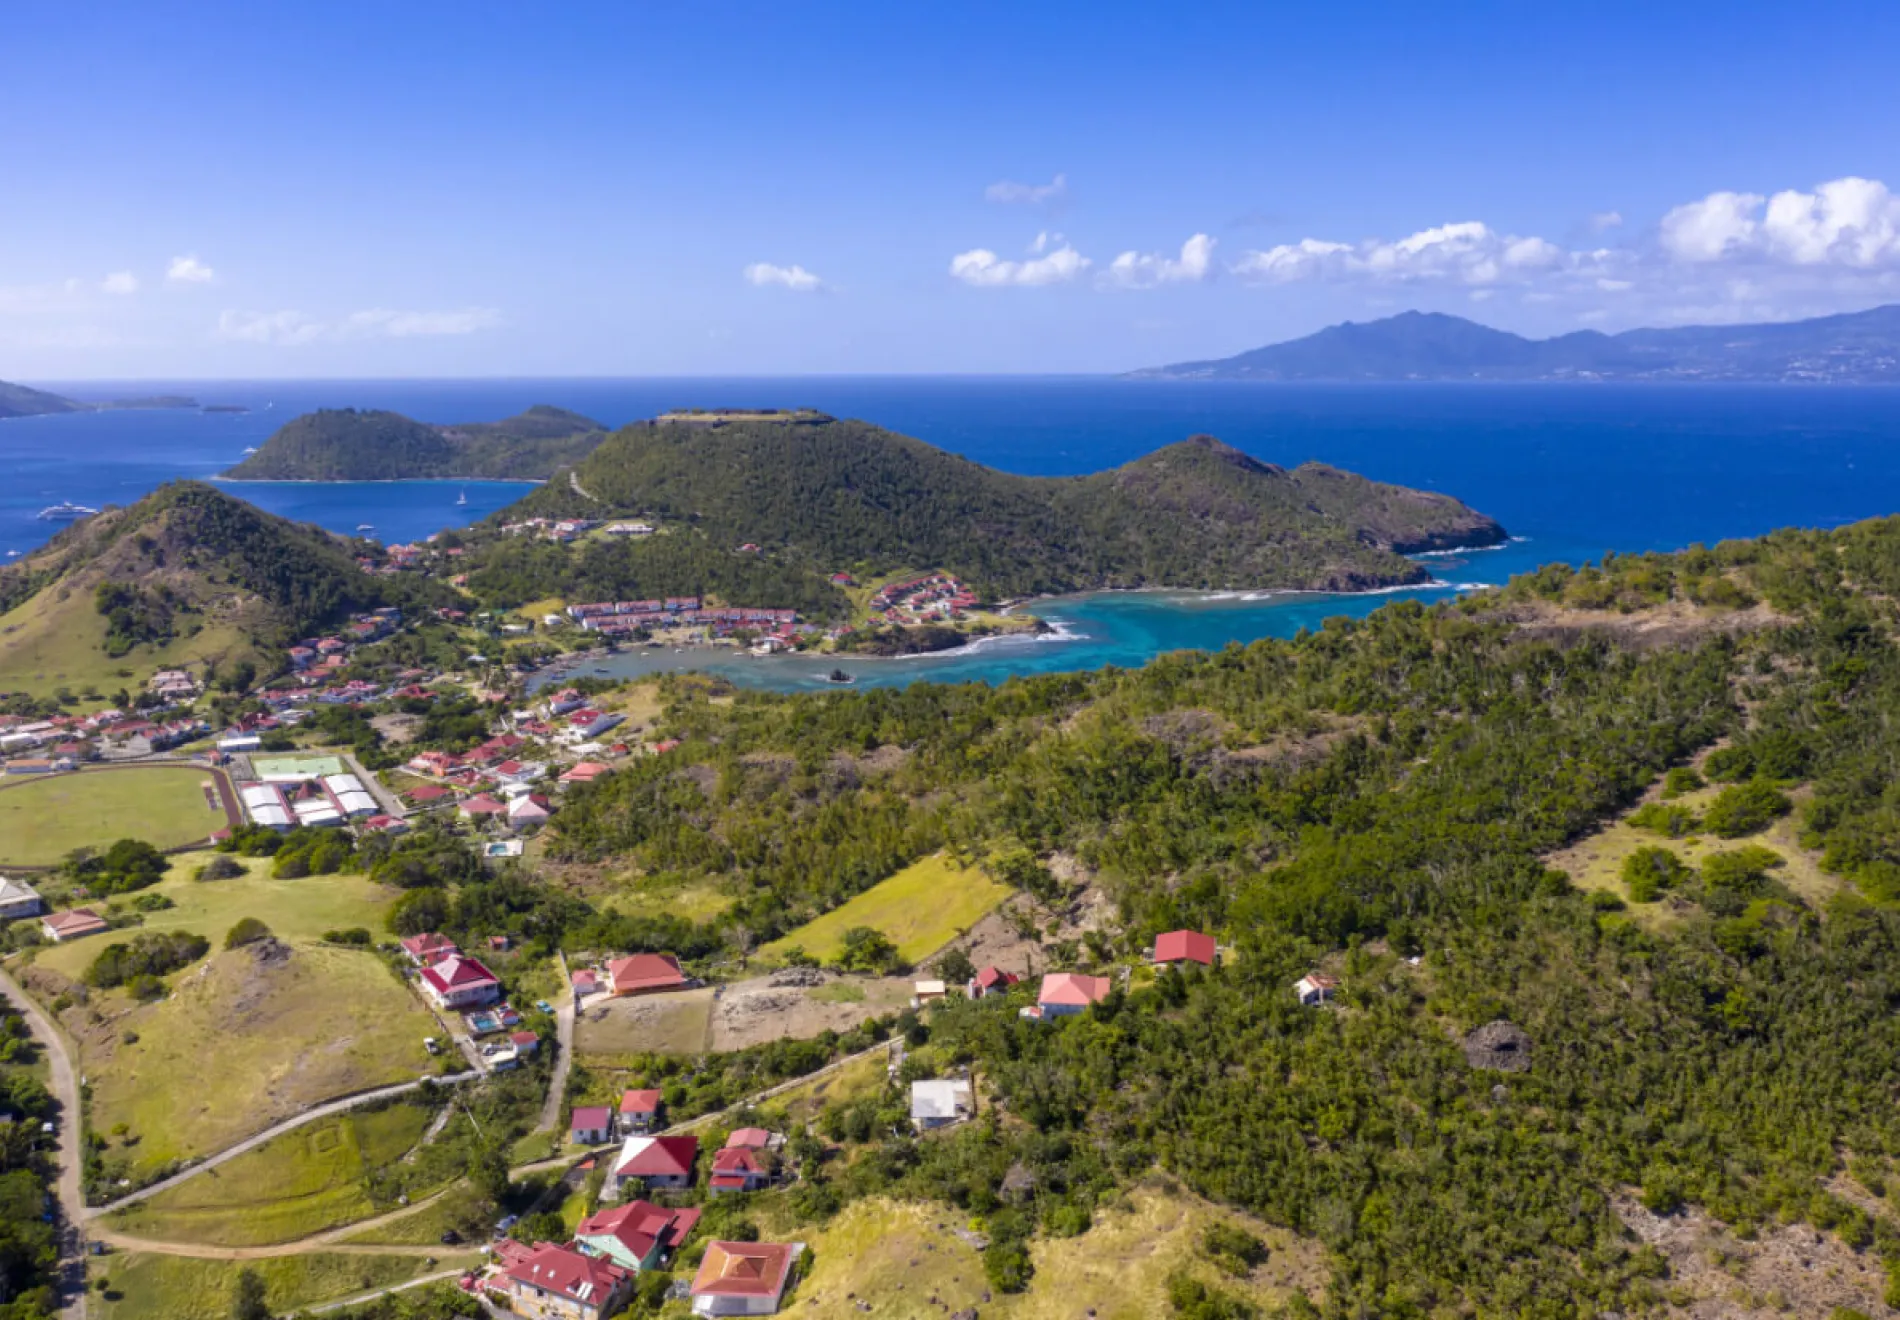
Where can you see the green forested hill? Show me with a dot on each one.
(846, 494)
(1382, 789)
(187, 573)
(344, 444)
(24, 401)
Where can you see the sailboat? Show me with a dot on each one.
(462, 499)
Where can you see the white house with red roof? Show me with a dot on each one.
(743, 1278)
(645, 974)
(481, 807)
(459, 982)
(652, 1163)
(554, 1281)
(529, 810)
(990, 981)
(1185, 946)
(1064, 994)
(429, 948)
(585, 772)
(590, 1125)
(738, 1169)
(640, 1111)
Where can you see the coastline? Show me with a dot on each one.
(223, 480)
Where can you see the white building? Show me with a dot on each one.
(265, 805)
(941, 1102)
(18, 900)
(351, 797)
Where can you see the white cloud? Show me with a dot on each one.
(1307, 259)
(795, 278)
(1467, 251)
(1615, 286)
(120, 282)
(984, 269)
(290, 327)
(1603, 220)
(1138, 270)
(189, 270)
(1028, 194)
(1848, 224)
(1709, 229)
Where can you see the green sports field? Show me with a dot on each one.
(44, 818)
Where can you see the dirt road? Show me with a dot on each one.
(70, 1188)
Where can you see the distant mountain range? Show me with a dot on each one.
(344, 444)
(1859, 348)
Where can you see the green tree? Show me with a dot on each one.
(248, 1300)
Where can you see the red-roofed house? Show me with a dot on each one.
(590, 1125)
(639, 1112)
(387, 825)
(585, 983)
(77, 923)
(482, 807)
(636, 1236)
(425, 793)
(743, 1278)
(645, 974)
(654, 1162)
(585, 772)
(524, 1042)
(1065, 994)
(424, 950)
(560, 1281)
(748, 1138)
(738, 1170)
(991, 981)
(1185, 946)
(459, 982)
(1314, 988)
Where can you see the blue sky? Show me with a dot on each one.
(352, 189)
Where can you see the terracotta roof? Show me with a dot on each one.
(991, 977)
(744, 1269)
(1185, 946)
(640, 1102)
(737, 1159)
(645, 971)
(1072, 988)
(749, 1138)
(567, 1273)
(482, 805)
(77, 921)
(420, 946)
(647, 1157)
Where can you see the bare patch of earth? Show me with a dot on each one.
(1787, 1270)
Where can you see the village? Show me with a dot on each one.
(260, 767)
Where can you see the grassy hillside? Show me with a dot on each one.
(344, 444)
(846, 494)
(186, 575)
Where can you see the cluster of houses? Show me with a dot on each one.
(20, 901)
(563, 530)
(615, 618)
(938, 596)
(320, 656)
(174, 686)
(593, 1276)
(64, 742)
(634, 974)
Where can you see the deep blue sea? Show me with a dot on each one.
(1571, 471)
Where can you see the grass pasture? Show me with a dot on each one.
(461, 1208)
(303, 1182)
(1596, 862)
(922, 908)
(1118, 1270)
(147, 1286)
(297, 911)
(277, 1030)
(50, 643)
(44, 818)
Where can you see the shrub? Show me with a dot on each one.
(357, 936)
(1680, 779)
(248, 931)
(1660, 818)
(1745, 809)
(1741, 872)
(148, 956)
(1234, 1250)
(1649, 871)
(220, 867)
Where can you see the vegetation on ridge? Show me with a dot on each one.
(343, 444)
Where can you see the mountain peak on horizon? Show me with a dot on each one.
(1852, 348)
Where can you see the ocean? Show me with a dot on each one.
(1571, 471)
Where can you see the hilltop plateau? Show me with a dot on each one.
(344, 444)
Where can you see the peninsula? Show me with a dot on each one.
(345, 444)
